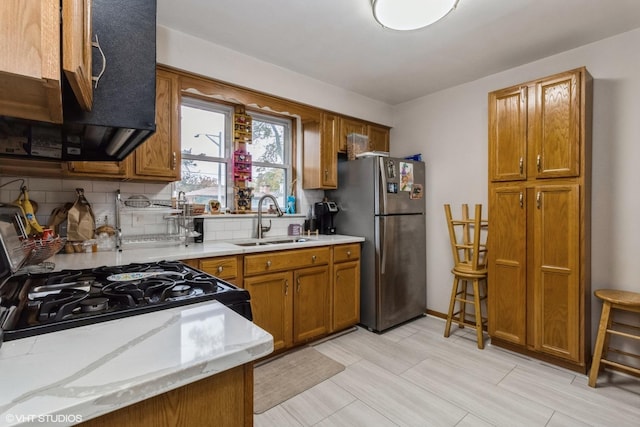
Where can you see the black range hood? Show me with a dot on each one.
(123, 112)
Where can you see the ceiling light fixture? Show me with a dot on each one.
(405, 15)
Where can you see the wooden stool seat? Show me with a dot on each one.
(468, 245)
(620, 300)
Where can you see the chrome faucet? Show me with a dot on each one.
(261, 228)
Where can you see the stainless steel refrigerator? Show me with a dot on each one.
(381, 199)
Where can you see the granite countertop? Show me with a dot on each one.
(65, 377)
(194, 250)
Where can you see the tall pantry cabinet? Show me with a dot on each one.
(539, 218)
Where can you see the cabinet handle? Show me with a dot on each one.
(313, 258)
(220, 268)
(521, 165)
(298, 285)
(539, 162)
(538, 199)
(175, 161)
(348, 254)
(97, 78)
(521, 199)
(268, 263)
(286, 287)
(326, 174)
(522, 94)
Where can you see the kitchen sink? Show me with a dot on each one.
(299, 240)
(273, 242)
(252, 244)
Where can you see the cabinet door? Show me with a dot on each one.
(30, 77)
(378, 138)
(346, 295)
(556, 264)
(311, 303)
(329, 150)
(348, 126)
(76, 49)
(507, 258)
(556, 126)
(158, 158)
(271, 305)
(320, 155)
(508, 134)
(98, 169)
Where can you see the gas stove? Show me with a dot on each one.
(33, 304)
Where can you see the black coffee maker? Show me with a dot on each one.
(325, 212)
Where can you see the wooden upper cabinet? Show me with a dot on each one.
(320, 155)
(508, 134)
(535, 129)
(30, 77)
(31, 57)
(378, 137)
(158, 158)
(348, 126)
(76, 49)
(116, 170)
(557, 122)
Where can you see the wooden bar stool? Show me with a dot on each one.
(620, 300)
(469, 247)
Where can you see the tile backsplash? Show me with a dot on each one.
(52, 193)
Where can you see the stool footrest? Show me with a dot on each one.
(623, 353)
(620, 366)
(623, 334)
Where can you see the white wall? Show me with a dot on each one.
(201, 57)
(450, 129)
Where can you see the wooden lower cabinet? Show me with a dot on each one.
(226, 268)
(271, 305)
(223, 400)
(290, 294)
(293, 306)
(310, 303)
(296, 295)
(536, 298)
(345, 293)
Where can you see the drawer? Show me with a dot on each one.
(349, 252)
(222, 267)
(285, 260)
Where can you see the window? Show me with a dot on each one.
(207, 148)
(271, 157)
(205, 142)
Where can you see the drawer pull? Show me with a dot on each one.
(348, 254)
(313, 258)
(268, 263)
(220, 268)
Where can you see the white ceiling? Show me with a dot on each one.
(338, 41)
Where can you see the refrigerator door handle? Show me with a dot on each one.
(382, 190)
(382, 244)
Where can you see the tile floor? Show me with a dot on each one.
(413, 376)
